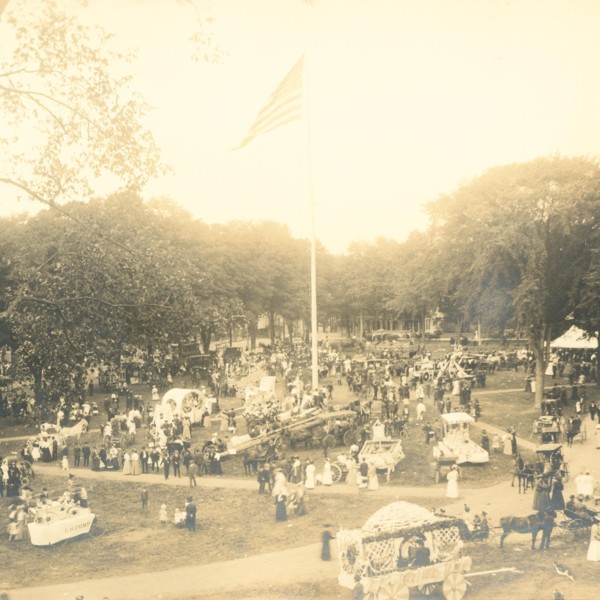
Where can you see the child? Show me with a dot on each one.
(144, 497)
(162, 515)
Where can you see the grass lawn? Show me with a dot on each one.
(231, 524)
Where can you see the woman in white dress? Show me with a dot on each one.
(136, 465)
(373, 479)
(452, 487)
(126, 463)
(594, 547)
(327, 479)
(309, 484)
(507, 445)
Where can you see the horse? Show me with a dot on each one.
(298, 436)
(529, 524)
(525, 477)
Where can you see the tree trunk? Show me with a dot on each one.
(361, 326)
(538, 344)
(38, 384)
(206, 338)
(272, 328)
(252, 330)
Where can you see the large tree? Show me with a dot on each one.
(522, 231)
(82, 295)
(70, 115)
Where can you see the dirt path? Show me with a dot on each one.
(205, 581)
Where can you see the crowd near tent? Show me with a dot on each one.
(575, 338)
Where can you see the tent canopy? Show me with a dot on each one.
(575, 338)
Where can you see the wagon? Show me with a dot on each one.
(575, 429)
(383, 555)
(575, 527)
(547, 429)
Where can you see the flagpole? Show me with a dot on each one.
(313, 235)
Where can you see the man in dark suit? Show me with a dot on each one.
(363, 469)
(144, 457)
(190, 514)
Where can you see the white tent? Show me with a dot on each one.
(575, 338)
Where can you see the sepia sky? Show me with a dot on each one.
(406, 100)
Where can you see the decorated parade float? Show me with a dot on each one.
(383, 451)
(457, 443)
(56, 521)
(405, 546)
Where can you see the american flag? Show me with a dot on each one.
(284, 105)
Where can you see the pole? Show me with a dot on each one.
(313, 298)
(313, 242)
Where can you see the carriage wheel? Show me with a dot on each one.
(349, 437)
(392, 590)
(336, 473)
(428, 588)
(278, 443)
(576, 529)
(329, 441)
(455, 586)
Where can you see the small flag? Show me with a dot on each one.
(284, 105)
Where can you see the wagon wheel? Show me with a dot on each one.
(575, 529)
(455, 586)
(329, 441)
(350, 437)
(336, 473)
(428, 588)
(278, 443)
(393, 590)
(123, 440)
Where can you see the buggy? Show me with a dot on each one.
(575, 525)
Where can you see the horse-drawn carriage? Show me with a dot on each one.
(546, 429)
(401, 546)
(575, 430)
(569, 525)
(311, 427)
(320, 428)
